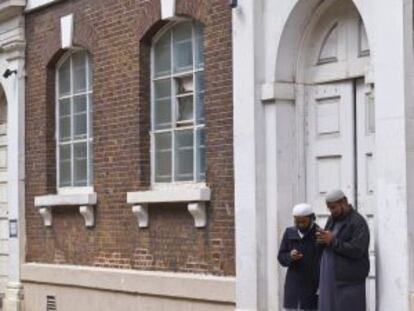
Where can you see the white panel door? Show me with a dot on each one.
(340, 151)
(365, 107)
(329, 143)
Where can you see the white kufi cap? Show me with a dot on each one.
(334, 196)
(302, 209)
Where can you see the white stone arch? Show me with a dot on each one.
(304, 32)
(301, 20)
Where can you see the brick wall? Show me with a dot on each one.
(117, 34)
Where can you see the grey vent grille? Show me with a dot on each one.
(51, 303)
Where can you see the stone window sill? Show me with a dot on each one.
(195, 195)
(85, 201)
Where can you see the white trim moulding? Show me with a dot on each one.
(151, 283)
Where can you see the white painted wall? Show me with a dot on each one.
(409, 89)
(389, 66)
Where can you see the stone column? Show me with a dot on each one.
(15, 93)
(249, 157)
(389, 49)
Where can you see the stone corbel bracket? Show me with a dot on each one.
(141, 213)
(85, 201)
(46, 213)
(88, 213)
(198, 211)
(194, 196)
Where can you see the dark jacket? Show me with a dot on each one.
(302, 277)
(351, 247)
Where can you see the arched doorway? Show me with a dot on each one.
(4, 213)
(335, 111)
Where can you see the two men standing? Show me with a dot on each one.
(344, 261)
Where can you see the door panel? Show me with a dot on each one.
(329, 143)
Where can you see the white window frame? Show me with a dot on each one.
(89, 137)
(173, 129)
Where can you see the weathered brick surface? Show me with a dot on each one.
(117, 34)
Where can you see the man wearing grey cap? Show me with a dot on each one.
(345, 259)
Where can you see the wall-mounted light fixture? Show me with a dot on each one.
(8, 73)
(233, 3)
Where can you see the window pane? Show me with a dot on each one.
(162, 106)
(183, 51)
(201, 158)
(79, 72)
(64, 107)
(90, 124)
(162, 114)
(200, 97)
(64, 78)
(200, 81)
(184, 157)
(184, 85)
(79, 126)
(80, 164)
(90, 163)
(163, 89)
(90, 79)
(65, 153)
(64, 128)
(64, 166)
(199, 48)
(79, 104)
(163, 157)
(185, 108)
(162, 55)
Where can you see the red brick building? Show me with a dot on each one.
(129, 155)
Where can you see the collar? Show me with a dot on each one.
(303, 234)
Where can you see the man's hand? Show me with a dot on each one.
(324, 237)
(295, 255)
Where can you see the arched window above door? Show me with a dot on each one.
(363, 44)
(329, 50)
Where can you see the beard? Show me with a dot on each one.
(307, 229)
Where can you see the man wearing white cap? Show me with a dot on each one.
(300, 253)
(345, 260)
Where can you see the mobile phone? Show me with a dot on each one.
(300, 249)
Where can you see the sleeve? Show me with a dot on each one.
(284, 252)
(357, 246)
